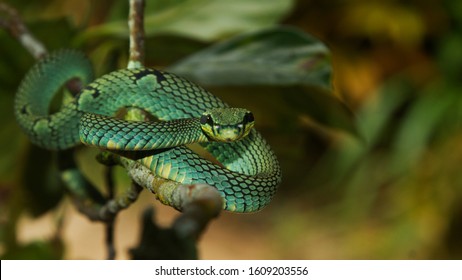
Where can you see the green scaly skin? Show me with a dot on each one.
(250, 173)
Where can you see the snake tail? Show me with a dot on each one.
(51, 131)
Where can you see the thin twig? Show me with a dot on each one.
(136, 27)
(109, 228)
(92, 207)
(113, 206)
(18, 30)
(110, 222)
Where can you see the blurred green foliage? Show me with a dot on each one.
(370, 158)
(277, 56)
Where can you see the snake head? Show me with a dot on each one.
(226, 124)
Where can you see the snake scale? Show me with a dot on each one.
(249, 172)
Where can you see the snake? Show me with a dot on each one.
(247, 174)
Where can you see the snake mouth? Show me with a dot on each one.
(227, 133)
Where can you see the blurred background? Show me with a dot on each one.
(365, 118)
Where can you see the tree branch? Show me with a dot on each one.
(136, 27)
(90, 202)
(199, 202)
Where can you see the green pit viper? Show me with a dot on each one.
(249, 173)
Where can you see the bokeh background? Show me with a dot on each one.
(369, 140)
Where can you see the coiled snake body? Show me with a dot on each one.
(249, 175)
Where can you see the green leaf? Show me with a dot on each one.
(322, 107)
(450, 57)
(36, 250)
(42, 184)
(61, 29)
(201, 19)
(276, 56)
(165, 50)
(376, 116)
(12, 141)
(425, 116)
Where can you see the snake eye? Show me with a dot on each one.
(206, 119)
(248, 117)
